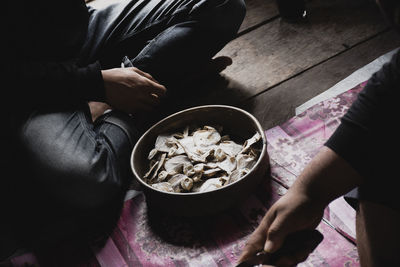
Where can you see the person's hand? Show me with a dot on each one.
(131, 90)
(324, 179)
(293, 212)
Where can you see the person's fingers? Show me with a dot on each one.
(149, 83)
(158, 89)
(257, 239)
(150, 87)
(253, 245)
(277, 232)
(145, 74)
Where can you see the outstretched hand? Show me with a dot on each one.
(325, 178)
(132, 90)
(292, 213)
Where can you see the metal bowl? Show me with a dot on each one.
(239, 124)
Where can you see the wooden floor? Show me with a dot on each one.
(277, 66)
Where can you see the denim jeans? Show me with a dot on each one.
(75, 172)
(167, 38)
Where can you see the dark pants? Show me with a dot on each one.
(71, 174)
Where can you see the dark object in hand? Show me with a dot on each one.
(303, 241)
(292, 10)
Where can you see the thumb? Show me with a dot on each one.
(270, 246)
(276, 234)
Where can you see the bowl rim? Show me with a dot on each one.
(260, 158)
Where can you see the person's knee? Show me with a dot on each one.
(103, 183)
(225, 16)
(72, 167)
(234, 13)
(83, 182)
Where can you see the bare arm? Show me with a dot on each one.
(325, 178)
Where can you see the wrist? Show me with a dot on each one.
(326, 177)
(309, 197)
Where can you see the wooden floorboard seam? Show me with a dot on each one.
(317, 64)
(258, 25)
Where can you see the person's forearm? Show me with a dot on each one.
(39, 83)
(327, 177)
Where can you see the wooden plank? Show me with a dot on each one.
(277, 50)
(277, 105)
(258, 11)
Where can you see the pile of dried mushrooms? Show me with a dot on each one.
(199, 160)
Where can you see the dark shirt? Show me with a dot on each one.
(43, 41)
(367, 137)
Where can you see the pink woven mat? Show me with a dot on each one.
(143, 239)
(140, 240)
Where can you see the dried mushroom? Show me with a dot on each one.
(199, 160)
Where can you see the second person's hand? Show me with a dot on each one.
(292, 213)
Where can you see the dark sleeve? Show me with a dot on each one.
(41, 83)
(39, 63)
(367, 135)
